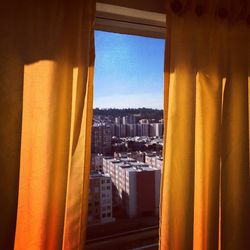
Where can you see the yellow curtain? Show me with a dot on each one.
(46, 74)
(205, 187)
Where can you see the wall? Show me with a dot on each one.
(145, 186)
(147, 5)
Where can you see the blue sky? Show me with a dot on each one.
(128, 71)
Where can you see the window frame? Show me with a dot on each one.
(117, 19)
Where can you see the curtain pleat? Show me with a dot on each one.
(46, 73)
(178, 196)
(235, 150)
(11, 92)
(205, 188)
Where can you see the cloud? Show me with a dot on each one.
(130, 101)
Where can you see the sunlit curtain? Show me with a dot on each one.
(46, 77)
(205, 188)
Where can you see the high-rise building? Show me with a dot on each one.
(100, 199)
(101, 139)
(123, 129)
(152, 130)
(130, 119)
(142, 121)
(132, 130)
(136, 186)
(118, 120)
(145, 129)
(158, 129)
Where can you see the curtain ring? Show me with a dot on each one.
(199, 10)
(223, 13)
(176, 6)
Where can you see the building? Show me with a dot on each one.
(130, 119)
(137, 155)
(118, 120)
(96, 162)
(132, 130)
(158, 127)
(145, 129)
(123, 130)
(152, 131)
(136, 186)
(154, 160)
(100, 199)
(101, 139)
(116, 130)
(144, 121)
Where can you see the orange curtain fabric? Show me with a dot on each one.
(46, 117)
(205, 188)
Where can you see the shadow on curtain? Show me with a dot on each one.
(46, 74)
(205, 188)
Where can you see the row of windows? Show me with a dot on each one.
(104, 215)
(108, 208)
(105, 195)
(107, 181)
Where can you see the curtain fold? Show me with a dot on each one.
(205, 188)
(47, 108)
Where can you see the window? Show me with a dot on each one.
(122, 82)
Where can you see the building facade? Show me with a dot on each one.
(96, 162)
(100, 199)
(136, 186)
(154, 160)
(101, 139)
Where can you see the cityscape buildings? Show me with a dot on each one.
(126, 166)
(136, 186)
(101, 138)
(100, 199)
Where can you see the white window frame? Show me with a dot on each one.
(124, 20)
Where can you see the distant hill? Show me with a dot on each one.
(144, 113)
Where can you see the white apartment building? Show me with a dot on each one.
(136, 185)
(154, 160)
(100, 199)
